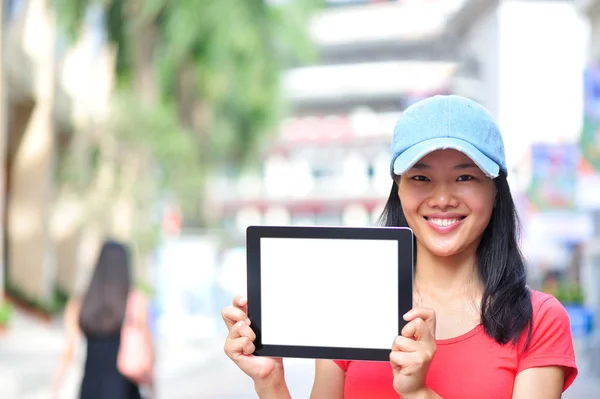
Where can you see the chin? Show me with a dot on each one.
(449, 249)
(444, 253)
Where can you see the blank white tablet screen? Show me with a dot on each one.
(329, 292)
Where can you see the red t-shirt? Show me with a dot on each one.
(473, 365)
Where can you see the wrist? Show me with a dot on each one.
(275, 388)
(423, 393)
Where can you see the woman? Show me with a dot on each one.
(476, 329)
(108, 303)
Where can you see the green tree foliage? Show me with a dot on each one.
(198, 80)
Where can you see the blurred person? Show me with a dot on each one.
(112, 316)
(477, 330)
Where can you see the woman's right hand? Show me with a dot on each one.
(239, 346)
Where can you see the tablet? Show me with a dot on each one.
(328, 292)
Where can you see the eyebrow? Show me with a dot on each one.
(459, 166)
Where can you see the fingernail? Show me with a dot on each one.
(406, 315)
(248, 321)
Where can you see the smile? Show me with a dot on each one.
(445, 224)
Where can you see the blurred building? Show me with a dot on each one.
(591, 10)
(330, 162)
(49, 93)
(589, 183)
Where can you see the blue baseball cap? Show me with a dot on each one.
(447, 122)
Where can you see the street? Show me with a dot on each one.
(185, 370)
(222, 380)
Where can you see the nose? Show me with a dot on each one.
(442, 197)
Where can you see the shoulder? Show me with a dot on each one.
(550, 327)
(550, 342)
(547, 309)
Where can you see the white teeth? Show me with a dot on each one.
(443, 222)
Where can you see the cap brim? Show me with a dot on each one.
(411, 156)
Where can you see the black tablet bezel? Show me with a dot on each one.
(405, 284)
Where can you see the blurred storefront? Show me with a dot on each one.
(530, 78)
(48, 93)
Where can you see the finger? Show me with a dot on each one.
(399, 360)
(242, 329)
(409, 362)
(240, 340)
(409, 330)
(423, 313)
(241, 302)
(239, 346)
(232, 315)
(427, 314)
(419, 330)
(404, 344)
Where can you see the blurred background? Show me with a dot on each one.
(173, 125)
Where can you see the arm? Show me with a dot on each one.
(539, 383)
(71, 323)
(272, 390)
(328, 384)
(144, 323)
(266, 372)
(329, 381)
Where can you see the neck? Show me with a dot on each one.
(447, 276)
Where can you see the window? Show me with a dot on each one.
(95, 21)
(13, 8)
(329, 218)
(371, 171)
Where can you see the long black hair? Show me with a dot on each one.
(104, 304)
(506, 309)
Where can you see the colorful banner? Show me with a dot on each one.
(554, 176)
(590, 136)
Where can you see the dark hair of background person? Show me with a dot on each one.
(103, 306)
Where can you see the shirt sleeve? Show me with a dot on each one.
(551, 341)
(343, 364)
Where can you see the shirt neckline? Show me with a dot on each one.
(461, 337)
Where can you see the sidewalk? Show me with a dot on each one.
(29, 353)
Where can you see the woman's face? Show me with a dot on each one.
(447, 201)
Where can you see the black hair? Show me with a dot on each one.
(506, 309)
(103, 307)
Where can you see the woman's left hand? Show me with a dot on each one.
(413, 351)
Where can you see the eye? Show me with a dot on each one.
(419, 178)
(465, 178)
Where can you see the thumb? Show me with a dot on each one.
(425, 314)
(417, 329)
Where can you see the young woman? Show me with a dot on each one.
(476, 329)
(107, 304)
